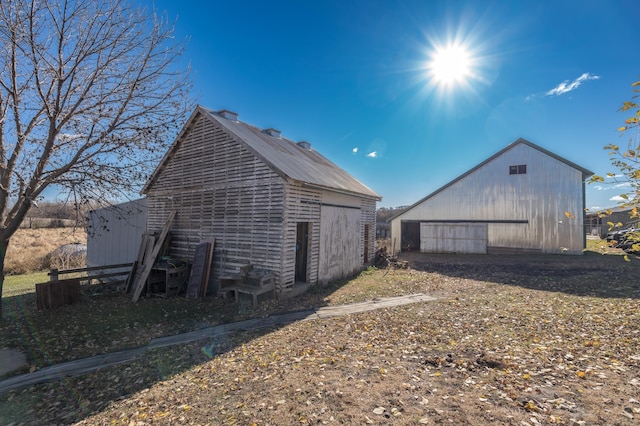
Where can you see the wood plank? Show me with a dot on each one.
(139, 285)
(205, 280)
(197, 270)
(54, 294)
(129, 280)
(144, 257)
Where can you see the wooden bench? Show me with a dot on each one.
(247, 281)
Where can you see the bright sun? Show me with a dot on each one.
(450, 65)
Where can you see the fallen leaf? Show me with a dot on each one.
(379, 410)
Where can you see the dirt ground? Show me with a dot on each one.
(512, 340)
(590, 274)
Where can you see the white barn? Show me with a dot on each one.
(522, 199)
(114, 233)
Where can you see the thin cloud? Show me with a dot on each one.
(609, 187)
(622, 185)
(567, 86)
(372, 154)
(355, 150)
(616, 198)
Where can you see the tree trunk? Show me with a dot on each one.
(4, 243)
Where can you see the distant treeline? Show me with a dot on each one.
(385, 213)
(55, 215)
(61, 215)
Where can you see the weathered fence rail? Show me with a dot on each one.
(54, 274)
(90, 281)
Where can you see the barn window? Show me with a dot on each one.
(520, 169)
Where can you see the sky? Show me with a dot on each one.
(367, 83)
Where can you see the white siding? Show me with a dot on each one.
(340, 248)
(453, 238)
(114, 233)
(537, 199)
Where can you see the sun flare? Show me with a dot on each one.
(450, 65)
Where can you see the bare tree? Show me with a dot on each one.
(90, 96)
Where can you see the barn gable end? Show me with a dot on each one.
(524, 198)
(261, 197)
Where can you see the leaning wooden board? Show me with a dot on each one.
(200, 269)
(142, 279)
(197, 270)
(207, 269)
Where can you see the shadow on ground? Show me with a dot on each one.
(591, 274)
(112, 324)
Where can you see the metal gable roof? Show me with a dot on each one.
(287, 158)
(291, 159)
(585, 172)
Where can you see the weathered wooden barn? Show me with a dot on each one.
(522, 199)
(267, 201)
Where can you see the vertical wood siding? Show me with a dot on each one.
(340, 252)
(301, 205)
(114, 233)
(368, 217)
(539, 198)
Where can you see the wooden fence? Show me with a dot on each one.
(91, 281)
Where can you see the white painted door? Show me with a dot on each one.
(339, 243)
(453, 237)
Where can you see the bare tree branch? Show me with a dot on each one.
(90, 97)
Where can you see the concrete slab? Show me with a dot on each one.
(11, 360)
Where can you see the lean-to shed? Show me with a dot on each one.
(522, 199)
(267, 201)
(114, 233)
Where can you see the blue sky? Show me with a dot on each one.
(353, 78)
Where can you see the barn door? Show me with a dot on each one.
(367, 237)
(340, 243)
(453, 237)
(302, 244)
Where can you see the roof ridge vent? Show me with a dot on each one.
(229, 115)
(272, 132)
(304, 144)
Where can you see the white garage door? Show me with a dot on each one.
(453, 237)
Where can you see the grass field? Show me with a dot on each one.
(16, 285)
(511, 340)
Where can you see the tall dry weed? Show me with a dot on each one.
(30, 250)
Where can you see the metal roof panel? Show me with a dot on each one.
(292, 160)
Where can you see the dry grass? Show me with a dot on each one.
(513, 340)
(30, 249)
